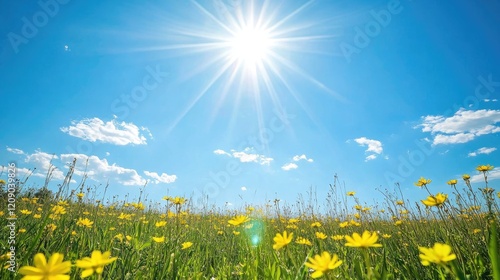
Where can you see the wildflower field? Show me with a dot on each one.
(73, 235)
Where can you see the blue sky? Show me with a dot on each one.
(248, 101)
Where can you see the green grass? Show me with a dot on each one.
(467, 222)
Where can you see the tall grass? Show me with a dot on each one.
(151, 241)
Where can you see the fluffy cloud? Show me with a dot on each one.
(44, 166)
(492, 175)
(374, 147)
(111, 132)
(247, 155)
(464, 126)
(163, 178)
(289, 166)
(243, 188)
(15, 151)
(482, 150)
(302, 157)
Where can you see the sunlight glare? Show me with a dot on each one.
(250, 45)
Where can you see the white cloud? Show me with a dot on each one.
(492, 175)
(371, 157)
(163, 178)
(374, 146)
(101, 171)
(302, 157)
(490, 100)
(243, 188)
(43, 164)
(247, 155)
(221, 152)
(289, 166)
(464, 126)
(111, 132)
(482, 150)
(15, 151)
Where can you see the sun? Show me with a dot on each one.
(250, 46)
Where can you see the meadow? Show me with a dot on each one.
(73, 234)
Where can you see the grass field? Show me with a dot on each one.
(450, 235)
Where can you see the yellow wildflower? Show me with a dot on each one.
(439, 254)
(365, 240)
(281, 240)
(436, 200)
(52, 269)
(186, 245)
(160, 239)
(422, 182)
(94, 264)
(484, 168)
(321, 235)
(322, 264)
(238, 220)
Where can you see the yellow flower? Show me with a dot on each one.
(337, 237)
(186, 245)
(344, 224)
(498, 194)
(178, 200)
(422, 182)
(363, 241)
(484, 168)
(316, 224)
(322, 264)
(22, 230)
(53, 269)
(321, 235)
(159, 239)
(476, 231)
(58, 210)
(301, 240)
(452, 182)
(436, 200)
(385, 235)
(51, 227)
(238, 220)
(236, 232)
(466, 177)
(358, 207)
(160, 224)
(293, 221)
(400, 202)
(36, 216)
(73, 233)
(124, 216)
(94, 264)
(398, 223)
(80, 195)
(84, 222)
(351, 193)
(281, 241)
(439, 254)
(25, 212)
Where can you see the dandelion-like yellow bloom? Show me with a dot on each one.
(422, 182)
(22, 230)
(316, 224)
(80, 195)
(293, 221)
(51, 227)
(178, 200)
(53, 269)
(351, 193)
(238, 220)
(25, 212)
(322, 264)
(436, 200)
(400, 202)
(466, 177)
(398, 223)
(58, 210)
(160, 239)
(358, 207)
(337, 237)
(84, 222)
(476, 231)
(321, 235)
(439, 254)
(281, 240)
(385, 235)
(365, 240)
(94, 264)
(452, 182)
(236, 232)
(484, 168)
(303, 241)
(36, 216)
(160, 224)
(124, 216)
(344, 224)
(186, 245)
